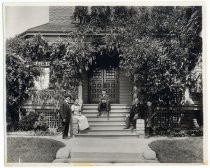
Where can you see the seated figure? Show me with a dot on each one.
(76, 109)
(136, 112)
(104, 103)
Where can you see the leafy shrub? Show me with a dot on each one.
(27, 122)
(159, 130)
(9, 126)
(41, 123)
(177, 132)
(20, 74)
(195, 132)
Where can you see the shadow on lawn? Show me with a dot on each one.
(31, 150)
(188, 150)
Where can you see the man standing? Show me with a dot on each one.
(104, 103)
(137, 111)
(65, 113)
(148, 119)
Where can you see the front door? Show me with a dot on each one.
(104, 79)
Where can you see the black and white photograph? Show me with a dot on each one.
(104, 84)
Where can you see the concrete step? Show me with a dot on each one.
(115, 131)
(111, 129)
(111, 115)
(107, 129)
(102, 127)
(107, 124)
(99, 157)
(108, 134)
(112, 107)
(101, 119)
(111, 111)
(108, 160)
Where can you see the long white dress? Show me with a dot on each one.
(81, 119)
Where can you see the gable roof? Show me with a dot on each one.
(50, 28)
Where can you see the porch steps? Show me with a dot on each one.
(92, 111)
(101, 119)
(113, 127)
(114, 115)
(107, 123)
(104, 127)
(106, 135)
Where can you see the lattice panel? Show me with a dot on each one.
(166, 119)
(52, 117)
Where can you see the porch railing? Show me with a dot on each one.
(174, 117)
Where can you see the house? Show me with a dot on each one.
(117, 85)
(111, 77)
(105, 75)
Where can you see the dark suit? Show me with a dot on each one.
(148, 115)
(105, 104)
(65, 117)
(136, 109)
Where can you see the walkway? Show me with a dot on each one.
(105, 150)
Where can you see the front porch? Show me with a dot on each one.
(102, 127)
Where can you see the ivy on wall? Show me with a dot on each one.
(156, 46)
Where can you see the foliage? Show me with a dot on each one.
(68, 59)
(162, 59)
(41, 123)
(158, 46)
(177, 132)
(35, 122)
(20, 75)
(28, 121)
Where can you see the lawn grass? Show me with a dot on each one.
(33, 150)
(188, 150)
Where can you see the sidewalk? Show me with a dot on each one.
(106, 150)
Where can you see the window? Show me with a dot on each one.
(43, 80)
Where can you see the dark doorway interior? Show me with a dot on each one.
(104, 75)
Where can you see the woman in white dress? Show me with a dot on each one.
(76, 109)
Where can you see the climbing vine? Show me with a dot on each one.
(158, 46)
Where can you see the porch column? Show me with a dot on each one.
(135, 89)
(80, 91)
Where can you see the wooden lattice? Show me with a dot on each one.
(53, 119)
(166, 119)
